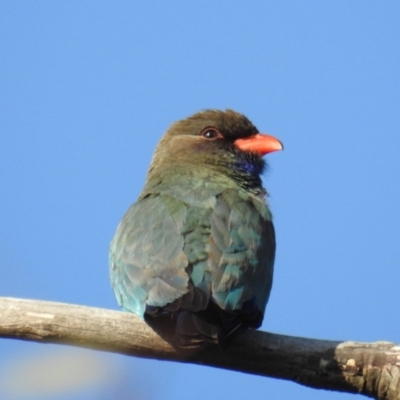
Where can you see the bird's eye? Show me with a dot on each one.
(210, 133)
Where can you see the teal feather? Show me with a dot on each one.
(199, 244)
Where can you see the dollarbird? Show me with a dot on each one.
(198, 246)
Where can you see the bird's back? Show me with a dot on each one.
(202, 253)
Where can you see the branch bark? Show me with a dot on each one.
(372, 369)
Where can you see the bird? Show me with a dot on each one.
(198, 246)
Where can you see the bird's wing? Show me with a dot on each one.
(241, 252)
(176, 253)
(147, 261)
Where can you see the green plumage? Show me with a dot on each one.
(199, 243)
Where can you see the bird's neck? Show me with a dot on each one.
(240, 174)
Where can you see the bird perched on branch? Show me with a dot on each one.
(199, 244)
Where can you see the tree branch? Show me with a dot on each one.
(372, 369)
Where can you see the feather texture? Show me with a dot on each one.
(198, 245)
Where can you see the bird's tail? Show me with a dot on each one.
(214, 325)
(192, 331)
(199, 321)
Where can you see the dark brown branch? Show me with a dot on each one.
(372, 369)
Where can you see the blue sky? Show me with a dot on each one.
(88, 88)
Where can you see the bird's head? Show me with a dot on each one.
(225, 142)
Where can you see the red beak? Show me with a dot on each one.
(259, 143)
